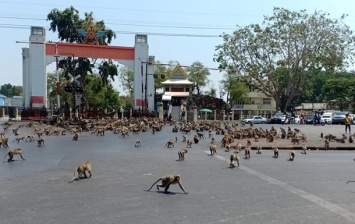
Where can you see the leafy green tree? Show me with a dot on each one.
(235, 88)
(9, 90)
(339, 91)
(52, 89)
(212, 92)
(126, 77)
(198, 74)
(282, 54)
(67, 23)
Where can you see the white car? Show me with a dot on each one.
(326, 118)
(255, 120)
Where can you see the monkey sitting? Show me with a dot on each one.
(292, 155)
(4, 142)
(259, 150)
(40, 142)
(138, 143)
(276, 152)
(167, 180)
(233, 158)
(326, 144)
(189, 143)
(13, 152)
(82, 168)
(351, 140)
(76, 136)
(213, 149)
(101, 132)
(295, 140)
(256, 138)
(238, 147)
(182, 153)
(170, 143)
(2, 134)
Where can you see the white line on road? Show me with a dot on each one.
(310, 197)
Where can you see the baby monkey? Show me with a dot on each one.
(292, 155)
(182, 153)
(167, 180)
(82, 168)
(276, 152)
(138, 143)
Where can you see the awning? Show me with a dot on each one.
(166, 98)
(181, 94)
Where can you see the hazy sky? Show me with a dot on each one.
(185, 31)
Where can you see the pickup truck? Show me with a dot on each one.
(255, 120)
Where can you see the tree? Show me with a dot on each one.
(52, 89)
(67, 23)
(212, 92)
(9, 90)
(235, 88)
(126, 77)
(198, 74)
(281, 55)
(339, 91)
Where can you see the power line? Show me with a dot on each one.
(16, 26)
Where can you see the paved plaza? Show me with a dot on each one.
(311, 189)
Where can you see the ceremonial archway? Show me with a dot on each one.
(41, 53)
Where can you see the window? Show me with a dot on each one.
(37, 31)
(267, 101)
(141, 39)
(187, 89)
(166, 89)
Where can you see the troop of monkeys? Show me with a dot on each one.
(166, 181)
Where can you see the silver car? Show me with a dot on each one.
(255, 120)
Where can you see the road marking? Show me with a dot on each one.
(310, 197)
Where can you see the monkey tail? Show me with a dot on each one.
(73, 177)
(154, 184)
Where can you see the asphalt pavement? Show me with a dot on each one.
(310, 189)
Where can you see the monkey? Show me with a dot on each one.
(182, 153)
(167, 180)
(183, 138)
(292, 155)
(82, 168)
(321, 134)
(40, 142)
(153, 131)
(351, 140)
(326, 144)
(138, 143)
(30, 138)
(4, 142)
(14, 131)
(247, 152)
(256, 138)
(238, 147)
(304, 149)
(176, 138)
(295, 140)
(189, 143)
(297, 130)
(248, 142)
(212, 140)
(170, 143)
(76, 136)
(259, 150)
(2, 134)
(20, 139)
(12, 152)
(196, 140)
(233, 158)
(200, 135)
(213, 149)
(228, 147)
(210, 135)
(100, 131)
(276, 152)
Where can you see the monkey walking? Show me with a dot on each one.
(247, 152)
(12, 152)
(189, 143)
(138, 143)
(169, 144)
(260, 149)
(183, 138)
(40, 142)
(213, 149)
(182, 153)
(82, 168)
(20, 139)
(292, 155)
(276, 152)
(233, 158)
(304, 149)
(167, 180)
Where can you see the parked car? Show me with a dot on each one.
(338, 117)
(326, 118)
(308, 119)
(255, 120)
(278, 118)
